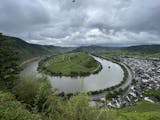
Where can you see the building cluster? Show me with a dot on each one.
(146, 76)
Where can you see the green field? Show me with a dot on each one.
(70, 64)
(142, 106)
(142, 111)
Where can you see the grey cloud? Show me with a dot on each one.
(85, 22)
(22, 15)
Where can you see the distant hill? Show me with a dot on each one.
(139, 48)
(27, 50)
(93, 48)
(143, 49)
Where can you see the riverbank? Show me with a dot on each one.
(113, 91)
(116, 89)
(28, 61)
(70, 64)
(104, 79)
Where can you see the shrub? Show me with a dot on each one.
(11, 109)
(26, 89)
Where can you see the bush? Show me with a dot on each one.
(11, 109)
(33, 91)
(26, 89)
(77, 108)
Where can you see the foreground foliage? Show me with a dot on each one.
(9, 68)
(38, 96)
(46, 105)
(11, 109)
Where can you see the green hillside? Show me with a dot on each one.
(142, 111)
(27, 50)
(70, 64)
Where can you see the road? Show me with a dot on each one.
(127, 83)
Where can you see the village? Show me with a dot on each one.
(146, 76)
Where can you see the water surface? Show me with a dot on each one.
(110, 75)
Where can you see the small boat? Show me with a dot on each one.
(109, 67)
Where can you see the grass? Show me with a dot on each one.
(76, 63)
(141, 111)
(139, 116)
(142, 106)
(152, 93)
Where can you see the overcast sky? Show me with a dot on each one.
(83, 22)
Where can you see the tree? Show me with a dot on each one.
(9, 68)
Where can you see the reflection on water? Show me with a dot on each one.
(107, 77)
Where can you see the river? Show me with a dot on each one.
(110, 75)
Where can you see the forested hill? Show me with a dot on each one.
(142, 50)
(27, 50)
(138, 48)
(94, 48)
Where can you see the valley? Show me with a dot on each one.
(113, 79)
(80, 60)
